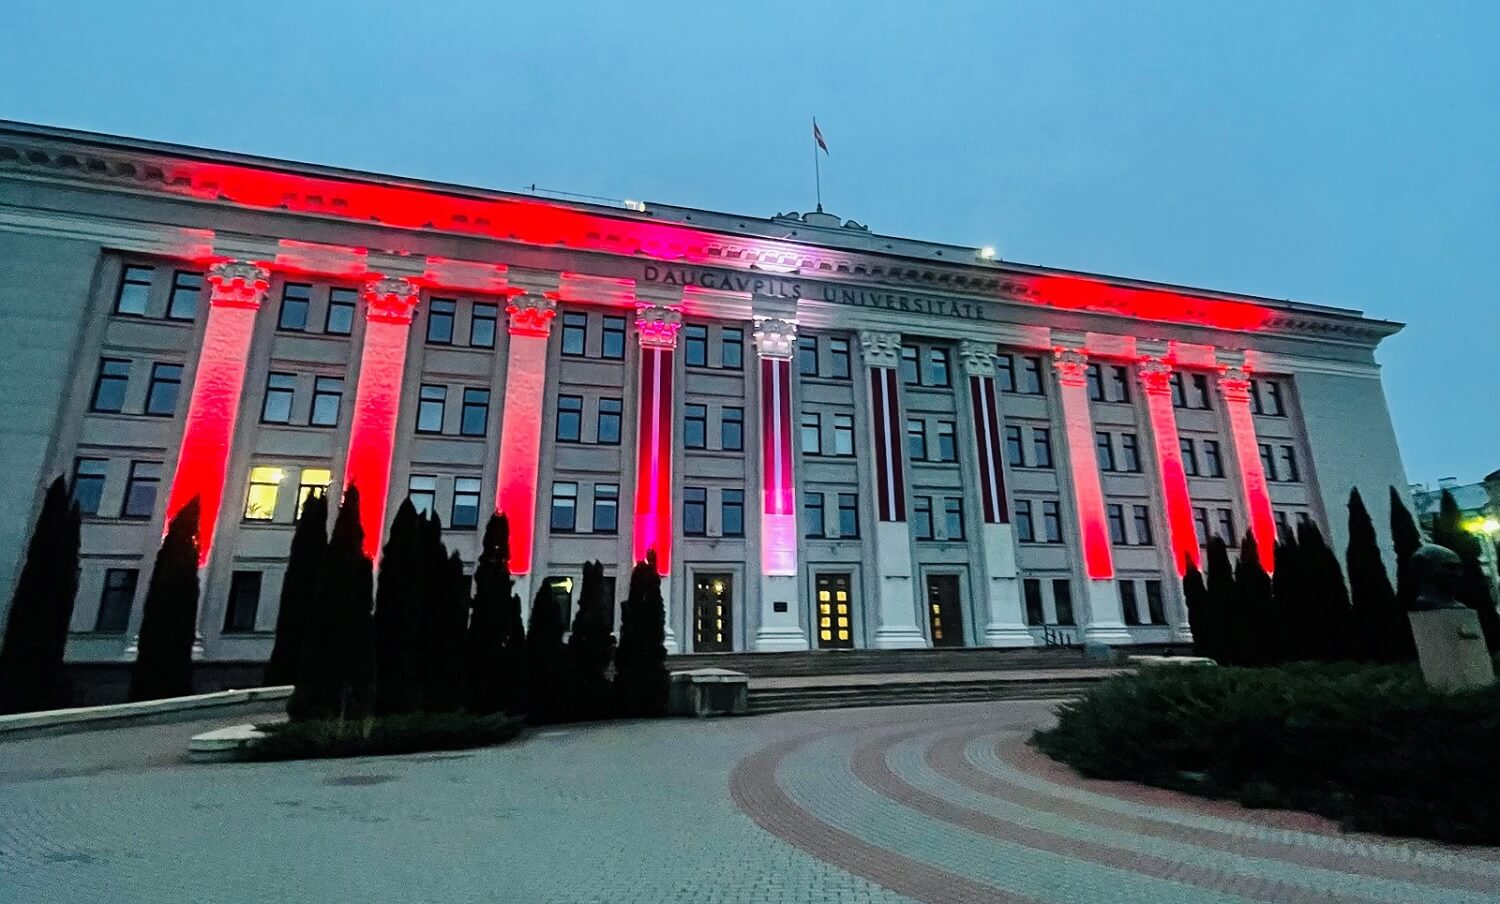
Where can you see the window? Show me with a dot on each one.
(1005, 373)
(187, 287)
(166, 383)
(947, 446)
(340, 319)
(812, 433)
(1031, 375)
(953, 518)
(843, 434)
(116, 601)
(606, 508)
(1268, 461)
(695, 345)
(1212, 460)
(474, 416)
(88, 483)
(732, 348)
(1226, 527)
(1199, 395)
(1115, 514)
(694, 426)
(244, 602)
(1142, 518)
(328, 395)
(1179, 395)
(1130, 453)
(140, 489)
(1119, 383)
(838, 355)
(1155, 610)
(921, 517)
(694, 511)
(1094, 378)
(1062, 601)
(564, 518)
(574, 333)
(465, 510)
(440, 313)
(614, 338)
(295, 300)
(1127, 603)
(1200, 525)
(807, 356)
(1051, 522)
(1189, 456)
(312, 480)
(260, 498)
(1032, 590)
(848, 515)
(732, 512)
(482, 321)
(109, 385)
(812, 515)
(1289, 471)
(608, 426)
(937, 367)
(135, 291)
(1013, 451)
(1025, 529)
(1274, 406)
(569, 418)
(908, 366)
(732, 429)
(277, 405)
(916, 438)
(421, 489)
(430, 404)
(1041, 447)
(1105, 446)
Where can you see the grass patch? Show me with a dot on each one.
(414, 733)
(1369, 746)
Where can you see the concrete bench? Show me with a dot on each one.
(709, 692)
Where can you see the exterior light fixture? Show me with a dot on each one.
(987, 253)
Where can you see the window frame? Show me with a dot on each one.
(810, 421)
(95, 480)
(338, 301)
(432, 397)
(271, 476)
(427, 493)
(320, 392)
(467, 405)
(233, 602)
(465, 487)
(732, 337)
(613, 326)
(615, 416)
(731, 499)
(848, 503)
(278, 393)
(144, 284)
(482, 312)
(840, 358)
(695, 426)
(100, 378)
(108, 593)
(947, 430)
(1041, 442)
(158, 381)
(814, 502)
(1051, 521)
(135, 480)
(953, 513)
(923, 527)
(695, 503)
(178, 289)
(574, 324)
(563, 490)
(694, 345)
(606, 498)
(732, 428)
(919, 435)
(566, 414)
(305, 301)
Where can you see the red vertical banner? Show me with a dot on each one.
(986, 414)
(775, 341)
(656, 327)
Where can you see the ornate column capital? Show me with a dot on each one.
(531, 315)
(238, 284)
(1155, 375)
(1234, 383)
(977, 358)
(775, 337)
(656, 325)
(391, 299)
(1070, 364)
(880, 349)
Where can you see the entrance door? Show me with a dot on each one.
(835, 631)
(944, 612)
(713, 596)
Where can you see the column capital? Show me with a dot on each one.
(391, 299)
(1234, 383)
(880, 349)
(1155, 375)
(775, 337)
(531, 315)
(238, 284)
(1070, 364)
(657, 324)
(977, 358)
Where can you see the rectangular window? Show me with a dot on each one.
(1189, 456)
(695, 345)
(1014, 453)
(1105, 449)
(140, 489)
(813, 524)
(908, 366)
(1268, 461)
(569, 418)
(812, 433)
(843, 434)
(1115, 514)
(1051, 522)
(1031, 375)
(276, 408)
(606, 508)
(732, 429)
(1127, 603)
(921, 517)
(1025, 528)
(295, 300)
(1119, 384)
(109, 385)
(807, 356)
(694, 511)
(187, 288)
(1200, 392)
(916, 438)
(564, 518)
(312, 480)
(1289, 471)
(1041, 447)
(135, 291)
(1062, 601)
(1094, 379)
(474, 417)
(421, 489)
(166, 384)
(575, 327)
(838, 358)
(116, 601)
(1200, 525)
(482, 322)
(341, 305)
(1255, 403)
(732, 348)
(1274, 405)
(88, 484)
(431, 402)
(947, 445)
(1226, 527)
(1213, 461)
(1130, 453)
(732, 512)
(694, 426)
(937, 367)
(1155, 609)
(328, 397)
(1179, 394)
(608, 427)
(244, 602)
(1032, 590)
(953, 518)
(465, 511)
(1005, 373)
(614, 338)
(260, 498)
(440, 312)
(1142, 517)
(848, 515)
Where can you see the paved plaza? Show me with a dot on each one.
(934, 803)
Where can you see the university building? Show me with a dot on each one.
(830, 438)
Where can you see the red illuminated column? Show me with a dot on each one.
(377, 400)
(1156, 382)
(521, 434)
(1106, 623)
(896, 626)
(1006, 626)
(775, 341)
(236, 291)
(656, 327)
(1234, 384)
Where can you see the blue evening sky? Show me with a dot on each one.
(1344, 153)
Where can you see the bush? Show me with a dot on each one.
(32, 675)
(384, 735)
(1369, 746)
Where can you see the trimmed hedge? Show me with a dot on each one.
(384, 735)
(1369, 746)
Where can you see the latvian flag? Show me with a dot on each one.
(818, 137)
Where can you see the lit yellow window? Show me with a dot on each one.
(823, 608)
(824, 622)
(827, 635)
(312, 479)
(843, 635)
(843, 597)
(260, 503)
(823, 596)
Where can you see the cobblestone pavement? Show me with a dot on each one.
(935, 803)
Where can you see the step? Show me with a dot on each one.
(851, 662)
(795, 693)
(793, 703)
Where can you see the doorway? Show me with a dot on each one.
(835, 625)
(944, 610)
(713, 607)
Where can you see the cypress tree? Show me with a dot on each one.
(337, 674)
(591, 645)
(1289, 601)
(1448, 530)
(1258, 639)
(32, 676)
(641, 679)
(398, 615)
(1406, 538)
(1331, 621)
(445, 621)
(1219, 608)
(298, 586)
(169, 619)
(1195, 596)
(546, 659)
(1380, 621)
(489, 646)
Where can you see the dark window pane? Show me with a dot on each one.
(908, 367)
(695, 345)
(88, 483)
(186, 289)
(1155, 609)
(609, 422)
(421, 489)
(574, 332)
(1128, 603)
(614, 338)
(166, 385)
(838, 358)
(606, 508)
(482, 325)
(328, 397)
(116, 601)
(807, 356)
(732, 348)
(732, 429)
(140, 489)
(1035, 613)
(694, 426)
(564, 507)
(109, 386)
(732, 512)
(277, 407)
(295, 299)
(694, 511)
(475, 418)
(1062, 601)
(440, 313)
(1041, 447)
(244, 602)
(465, 512)
(848, 515)
(135, 291)
(812, 515)
(431, 402)
(569, 418)
(340, 319)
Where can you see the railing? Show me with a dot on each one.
(1055, 636)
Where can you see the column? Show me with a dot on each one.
(896, 626)
(656, 328)
(1156, 382)
(1006, 626)
(389, 303)
(521, 432)
(236, 289)
(780, 623)
(1234, 386)
(1106, 624)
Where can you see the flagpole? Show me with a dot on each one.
(817, 170)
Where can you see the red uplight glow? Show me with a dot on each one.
(1092, 524)
(1076, 293)
(521, 442)
(1236, 390)
(653, 466)
(1155, 378)
(778, 544)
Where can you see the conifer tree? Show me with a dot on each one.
(1380, 621)
(336, 679)
(1448, 530)
(298, 586)
(1289, 601)
(169, 619)
(1406, 538)
(591, 645)
(1195, 596)
(490, 650)
(641, 679)
(1330, 621)
(32, 676)
(1258, 640)
(399, 594)
(546, 659)
(445, 621)
(1219, 607)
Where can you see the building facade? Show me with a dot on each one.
(828, 437)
